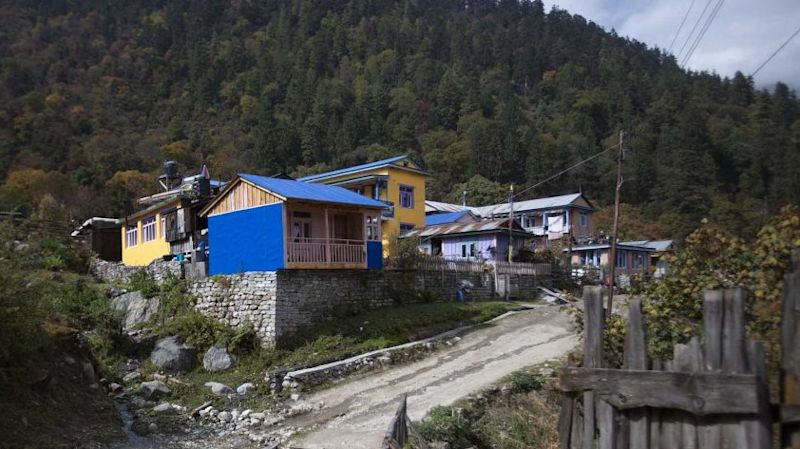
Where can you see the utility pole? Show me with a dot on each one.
(510, 222)
(615, 231)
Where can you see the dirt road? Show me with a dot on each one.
(355, 414)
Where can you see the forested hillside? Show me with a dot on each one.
(94, 95)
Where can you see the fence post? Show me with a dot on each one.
(592, 354)
(636, 358)
(790, 357)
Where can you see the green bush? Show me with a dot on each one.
(143, 281)
(446, 424)
(526, 381)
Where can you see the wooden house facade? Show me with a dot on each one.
(259, 223)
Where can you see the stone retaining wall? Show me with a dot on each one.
(282, 302)
(248, 298)
(117, 273)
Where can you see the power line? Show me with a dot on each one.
(680, 27)
(703, 31)
(691, 33)
(775, 52)
(576, 165)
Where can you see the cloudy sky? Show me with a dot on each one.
(743, 34)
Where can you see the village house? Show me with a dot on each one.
(478, 240)
(633, 257)
(397, 182)
(548, 219)
(169, 224)
(102, 236)
(258, 223)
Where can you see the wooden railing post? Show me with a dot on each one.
(592, 355)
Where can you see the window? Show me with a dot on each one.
(407, 197)
(638, 260)
(405, 227)
(564, 219)
(584, 217)
(372, 228)
(622, 259)
(163, 226)
(131, 235)
(148, 229)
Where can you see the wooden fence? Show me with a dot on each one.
(711, 395)
(790, 360)
(401, 431)
(470, 266)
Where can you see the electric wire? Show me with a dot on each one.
(775, 52)
(691, 33)
(680, 27)
(703, 30)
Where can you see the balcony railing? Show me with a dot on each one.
(333, 252)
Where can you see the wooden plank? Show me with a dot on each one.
(734, 358)
(592, 355)
(790, 321)
(588, 420)
(606, 425)
(698, 393)
(593, 327)
(733, 343)
(565, 420)
(687, 358)
(576, 434)
(758, 429)
(712, 329)
(636, 358)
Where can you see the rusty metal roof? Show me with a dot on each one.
(486, 226)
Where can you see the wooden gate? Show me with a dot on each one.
(709, 396)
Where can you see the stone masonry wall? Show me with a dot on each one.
(282, 302)
(117, 273)
(240, 299)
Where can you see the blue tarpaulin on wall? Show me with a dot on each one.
(246, 240)
(374, 255)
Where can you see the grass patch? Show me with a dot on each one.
(526, 418)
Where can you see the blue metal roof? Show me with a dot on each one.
(297, 190)
(354, 169)
(437, 219)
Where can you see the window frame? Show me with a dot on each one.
(584, 219)
(132, 230)
(148, 228)
(406, 192)
(622, 256)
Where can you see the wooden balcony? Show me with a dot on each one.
(325, 253)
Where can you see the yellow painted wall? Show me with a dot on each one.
(391, 228)
(144, 253)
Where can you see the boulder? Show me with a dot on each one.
(219, 389)
(154, 389)
(172, 354)
(245, 388)
(134, 308)
(218, 358)
(164, 407)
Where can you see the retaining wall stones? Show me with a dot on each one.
(241, 299)
(117, 273)
(282, 302)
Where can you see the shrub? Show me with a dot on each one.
(143, 281)
(526, 381)
(446, 424)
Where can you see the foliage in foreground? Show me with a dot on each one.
(526, 418)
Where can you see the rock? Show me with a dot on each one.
(152, 427)
(245, 388)
(295, 396)
(171, 354)
(88, 371)
(114, 387)
(113, 292)
(69, 360)
(257, 415)
(164, 407)
(134, 308)
(218, 358)
(219, 389)
(224, 416)
(385, 360)
(154, 389)
(130, 377)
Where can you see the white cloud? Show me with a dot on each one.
(742, 36)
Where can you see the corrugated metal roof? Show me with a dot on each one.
(354, 169)
(466, 228)
(437, 219)
(551, 202)
(439, 206)
(657, 245)
(621, 245)
(311, 192)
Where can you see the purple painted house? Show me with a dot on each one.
(480, 241)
